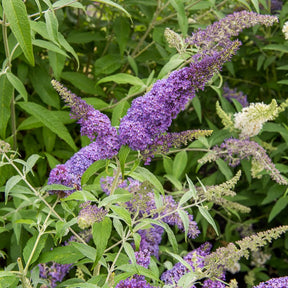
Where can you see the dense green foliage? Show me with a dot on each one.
(108, 53)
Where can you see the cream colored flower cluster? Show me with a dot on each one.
(251, 119)
(285, 30)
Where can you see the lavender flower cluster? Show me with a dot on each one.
(234, 150)
(219, 33)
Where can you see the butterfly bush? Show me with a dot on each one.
(145, 129)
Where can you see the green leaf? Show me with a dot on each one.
(186, 197)
(91, 170)
(181, 15)
(180, 259)
(109, 2)
(8, 279)
(278, 207)
(145, 174)
(66, 3)
(192, 188)
(276, 47)
(115, 198)
(174, 62)
(82, 195)
(57, 62)
(107, 64)
(80, 81)
(179, 164)
(133, 64)
(118, 112)
(123, 78)
(29, 247)
(186, 280)
(62, 255)
(51, 25)
(85, 250)
(168, 165)
(122, 213)
(174, 181)
(284, 67)
(49, 120)
(101, 232)
(224, 168)
(185, 220)
(6, 95)
(130, 252)
(197, 106)
(171, 237)
(49, 46)
(55, 187)
(31, 161)
(10, 184)
(121, 28)
(137, 241)
(17, 84)
(52, 161)
(205, 213)
(65, 44)
(16, 14)
(49, 139)
(256, 5)
(118, 226)
(285, 82)
(122, 155)
(40, 80)
(40, 28)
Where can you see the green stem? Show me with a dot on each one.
(41, 232)
(111, 270)
(25, 282)
(116, 179)
(41, 198)
(5, 40)
(9, 65)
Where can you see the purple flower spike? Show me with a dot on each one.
(152, 114)
(92, 121)
(281, 282)
(133, 283)
(220, 32)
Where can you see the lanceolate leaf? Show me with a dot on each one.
(6, 94)
(101, 233)
(109, 2)
(182, 18)
(18, 85)
(49, 120)
(150, 177)
(280, 205)
(30, 245)
(10, 184)
(16, 14)
(122, 78)
(208, 217)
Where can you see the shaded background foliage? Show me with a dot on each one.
(101, 41)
